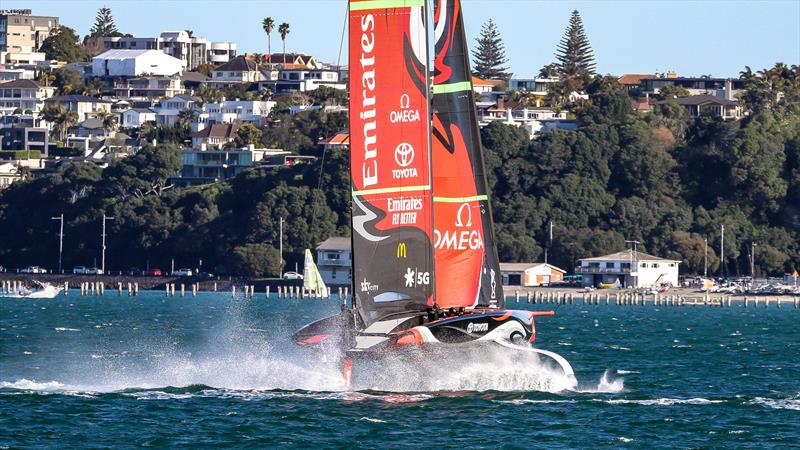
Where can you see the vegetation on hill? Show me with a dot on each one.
(662, 178)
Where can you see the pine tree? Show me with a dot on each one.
(574, 53)
(490, 55)
(104, 24)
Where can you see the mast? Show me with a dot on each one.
(467, 265)
(390, 159)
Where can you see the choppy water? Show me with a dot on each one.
(212, 371)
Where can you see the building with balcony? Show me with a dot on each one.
(535, 86)
(136, 117)
(85, 106)
(530, 274)
(727, 88)
(335, 261)
(699, 105)
(628, 268)
(25, 95)
(149, 88)
(192, 50)
(22, 32)
(25, 138)
(203, 165)
(229, 111)
(236, 71)
(301, 79)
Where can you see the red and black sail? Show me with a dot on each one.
(390, 158)
(467, 266)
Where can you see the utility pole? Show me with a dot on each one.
(280, 244)
(753, 246)
(549, 243)
(722, 251)
(103, 257)
(705, 260)
(60, 239)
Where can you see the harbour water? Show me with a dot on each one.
(215, 371)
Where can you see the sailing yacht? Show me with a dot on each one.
(425, 264)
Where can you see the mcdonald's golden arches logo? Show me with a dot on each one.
(401, 250)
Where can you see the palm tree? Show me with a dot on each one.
(109, 120)
(283, 29)
(257, 57)
(61, 119)
(187, 116)
(267, 25)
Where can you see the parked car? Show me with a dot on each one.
(292, 276)
(182, 273)
(33, 269)
(79, 270)
(134, 272)
(153, 273)
(93, 271)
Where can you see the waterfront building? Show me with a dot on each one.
(334, 261)
(135, 63)
(25, 95)
(530, 274)
(85, 106)
(192, 50)
(628, 269)
(23, 33)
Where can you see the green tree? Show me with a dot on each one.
(104, 24)
(283, 30)
(690, 249)
(255, 260)
(62, 45)
(268, 24)
(672, 91)
(247, 134)
(205, 69)
(574, 54)
(187, 116)
(56, 114)
(68, 81)
(490, 55)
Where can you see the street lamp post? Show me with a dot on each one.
(60, 239)
(103, 256)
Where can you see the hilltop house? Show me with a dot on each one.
(629, 269)
(294, 59)
(85, 106)
(25, 95)
(236, 71)
(215, 136)
(136, 117)
(136, 63)
(192, 50)
(334, 261)
(697, 105)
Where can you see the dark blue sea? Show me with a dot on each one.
(215, 371)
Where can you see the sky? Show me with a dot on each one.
(693, 38)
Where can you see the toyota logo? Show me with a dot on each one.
(404, 154)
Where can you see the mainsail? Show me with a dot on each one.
(312, 280)
(390, 158)
(467, 266)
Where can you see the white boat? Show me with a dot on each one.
(38, 290)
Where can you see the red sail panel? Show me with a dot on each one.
(390, 158)
(467, 266)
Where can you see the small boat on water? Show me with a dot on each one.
(37, 290)
(425, 267)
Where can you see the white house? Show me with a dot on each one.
(136, 117)
(228, 111)
(298, 78)
(84, 105)
(629, 269)
(335, 260)
(530, 274)
(25, 95)
(167, 112)
(135, 63)
(193, 50)
(236, 71)
(9, 173)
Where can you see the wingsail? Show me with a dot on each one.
(390, 159)
(467, 266)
